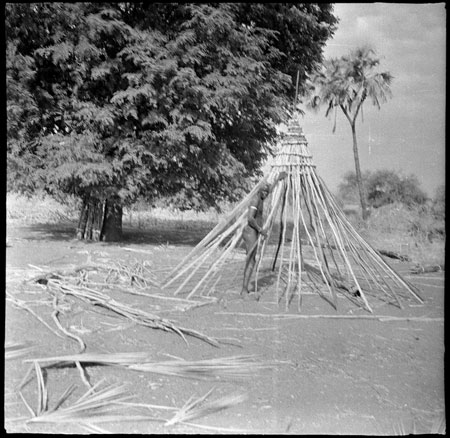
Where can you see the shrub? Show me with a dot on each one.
(438, 204)
(383, 187)
(387, 187)
(411, 231)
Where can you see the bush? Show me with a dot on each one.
(387, 187)
(383, 187)
(438, 205)
(411, 231)
(417, 222)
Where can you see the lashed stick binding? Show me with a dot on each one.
(315, 245)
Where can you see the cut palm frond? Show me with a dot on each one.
(232, 367)
(42, 390)
(196, 408)
(138, 273)
(106, 405)
(97, 358)
(138, 316)
(149, 406)
(15, 350)
(97, 406)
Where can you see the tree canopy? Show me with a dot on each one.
(119, 100)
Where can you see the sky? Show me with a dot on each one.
(407, 134)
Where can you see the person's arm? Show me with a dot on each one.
(252, 209)
(251, 217)
(281, 176)
(251, 220)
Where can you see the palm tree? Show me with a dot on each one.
(346, 83)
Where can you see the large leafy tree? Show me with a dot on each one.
(110, 101)
(346, 83)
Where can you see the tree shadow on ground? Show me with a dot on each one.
(164, 235)
(57, 232)
(172, 232)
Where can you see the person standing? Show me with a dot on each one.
(253, 229)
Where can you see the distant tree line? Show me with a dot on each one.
(114, 101)
(385, 187)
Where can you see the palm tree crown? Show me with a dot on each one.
(347, 82)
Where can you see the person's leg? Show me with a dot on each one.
(251, 241)
(249, 266)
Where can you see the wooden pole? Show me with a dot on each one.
(282, 225)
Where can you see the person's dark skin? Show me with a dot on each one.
(253, 229)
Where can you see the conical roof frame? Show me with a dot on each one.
(293, 151)
(341, 259)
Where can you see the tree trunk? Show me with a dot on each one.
(112, 222)
(90, 220)
(83, 220)
(361, 188)
(97, 221)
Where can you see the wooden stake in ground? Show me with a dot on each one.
(343, 262)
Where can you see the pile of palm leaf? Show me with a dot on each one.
(87, 284)
(137, 316)
(135, 279)
(137, 274)
(108, 404)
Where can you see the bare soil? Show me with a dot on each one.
(332, 375)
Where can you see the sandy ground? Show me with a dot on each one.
(330, 374)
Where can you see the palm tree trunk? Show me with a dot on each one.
(361, 188)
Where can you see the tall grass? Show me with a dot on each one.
(141, 215)
(39, 208)
(411, 231)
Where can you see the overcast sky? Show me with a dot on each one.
(408, 133)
